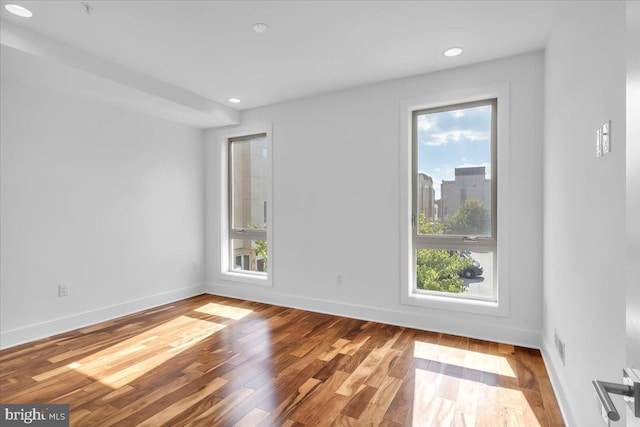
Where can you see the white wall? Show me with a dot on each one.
(336, 202)
(584, 201)
(106, 200)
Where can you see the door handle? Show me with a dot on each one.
(630, 390)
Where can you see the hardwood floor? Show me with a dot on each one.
(213, 361)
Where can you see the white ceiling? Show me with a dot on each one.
(209, 49)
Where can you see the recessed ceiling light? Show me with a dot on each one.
(19, 10)
(260, 28)
(454, 51)
(234, 100)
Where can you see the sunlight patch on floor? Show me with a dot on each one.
(128, 360)
(227, 311)
(429, 406)
(440, 399)
(490, 363)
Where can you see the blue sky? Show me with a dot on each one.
(452, 139)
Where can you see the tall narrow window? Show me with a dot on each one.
(454, 149)
(248, 184)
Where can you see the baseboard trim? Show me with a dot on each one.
(492, 332)
(49, 328)
(561, 397)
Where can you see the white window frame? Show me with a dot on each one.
(227, 273)
(409, 294)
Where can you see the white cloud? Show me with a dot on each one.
(426, 122)
(446, 137)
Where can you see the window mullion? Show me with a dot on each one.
(247, 234)
(485, 246)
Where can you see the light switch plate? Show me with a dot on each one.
(606, 138)
(598, 143)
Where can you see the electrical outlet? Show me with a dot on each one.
(561, 351)
(63, 290)
(559, 344)
(606, 138)
(339, 280)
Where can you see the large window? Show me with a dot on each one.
(454, 200)
(247, 203)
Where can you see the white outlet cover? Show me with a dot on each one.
(606, 138)
(598, 143)
(63, 290)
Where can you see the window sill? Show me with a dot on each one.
(250, 279)
(444, 302)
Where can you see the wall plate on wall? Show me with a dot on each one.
(606, 137)
(598, 143)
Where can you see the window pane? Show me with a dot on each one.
(454, 171)
(249, 183)
(249, 255)
(464, 273)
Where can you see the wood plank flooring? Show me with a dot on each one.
(214, 361)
